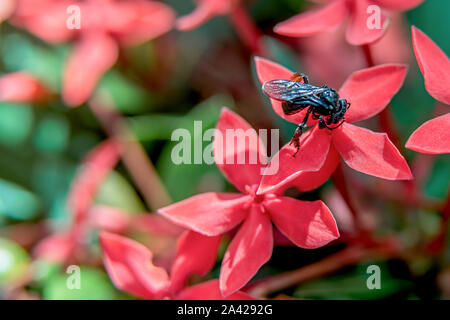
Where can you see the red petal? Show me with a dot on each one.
(370, 90)
(245, 148)
(129, 265)
(210, 291)
(284, 168)
(6, 9)
(45, 19)
(358, 32)
(371, 153)
(149, 20)
(432, 137)
(209, 213)
(314, 21)
(96, 166)
(398, 4)
(197, 254)
(153, 223)
(310, 180)
(21, 87)
(309, 225)
(249, 250)
(94, 54)
(109, 218)
(434, 64)
(55, 248)
(205, 10)
(268, 70)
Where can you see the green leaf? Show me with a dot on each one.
(184, 180)
(16, 121)
(52, 134)
(16, 202)
(94, 285)
(116, 191)
(13, 261)
(128, 96)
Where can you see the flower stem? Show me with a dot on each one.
(325, 266)
(246, 29)
(341, 185)
(134, 156)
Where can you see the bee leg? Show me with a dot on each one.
(299, 131)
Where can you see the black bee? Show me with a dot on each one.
(296, 94)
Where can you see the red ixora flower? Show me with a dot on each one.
(368, 91)
(307, 224)
(205, 10)
(334, 12)
(129, 264)
(22, 87)
(104, 25)
(433, 136)
(6, 9)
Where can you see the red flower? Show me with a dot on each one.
(434, 135)
(104, 25)
(97, 164)
(21, 87)
(130, 267)
(368, 91)
(6, 9)
(334, 12)
(307, 224)
(205, 10)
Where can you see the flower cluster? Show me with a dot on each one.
(211, 244)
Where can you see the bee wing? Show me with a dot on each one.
(287, 90)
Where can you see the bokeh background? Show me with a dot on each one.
(166, 84)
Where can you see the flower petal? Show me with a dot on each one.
(308, 224)
(149, 19)
(45, 19)
(57, 247)
(96, 166)
(284, 168)
(371, 153)
(109, 218)
(310, 180)
(238, 152)
(197, 254)
(129, 265)
(250, 248)
(370, 90)
(21, 87)
(6, 9)
(434, 64)
(205, 10)
(358, 32)
(314, 21)
(209, 213)
(432, 137)
(210, 291)
(268, 70)
(400, 5)
(94, 54)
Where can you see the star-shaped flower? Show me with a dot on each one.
(104, 25)
(334, 12)
(307, 224)
(205, 10)
(368, 91)
(433, 136)
(129, 264)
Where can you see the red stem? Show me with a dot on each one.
(247, 30)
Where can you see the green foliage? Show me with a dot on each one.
(94, 285)
(13, 262)
(16, 202)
